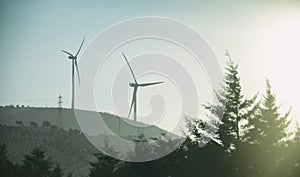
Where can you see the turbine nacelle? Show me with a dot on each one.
(133, 85)
(72, 57)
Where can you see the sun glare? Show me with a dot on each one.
(280, 49)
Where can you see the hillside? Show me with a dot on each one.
(69, 148)
(66, 119)
(65, 142)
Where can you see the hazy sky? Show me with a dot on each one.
(263, 38)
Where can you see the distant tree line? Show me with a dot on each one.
(45, 124)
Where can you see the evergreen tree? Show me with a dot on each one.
(3, 157)
(289, 164)
(274, 126)
(296, 138)
(20, 123)
(57, 171)
(267, 134)
(198, 160)
(105, 165)
(227, 125)
(69, 175)
(46, 124)
(6, 167)
(295, 154)
(232, 109)
(33, 124)
(268, 128)
(36, 164)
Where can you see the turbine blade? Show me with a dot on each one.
(77, 70)
(67, 53)
(130, 68)
(80, 47)
(148, 84)
(132, 101)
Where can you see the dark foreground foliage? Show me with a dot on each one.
(248, 137)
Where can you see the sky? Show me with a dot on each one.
(262, 37)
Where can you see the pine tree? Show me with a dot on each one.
(269, 128)
(295, 154)
(6, 167)
(232, 109)
(291, 163)
(36, 164)
(57, 171)
(230, 114)
(105, 165)
(296, 138)
(3, 157)
(267, 134)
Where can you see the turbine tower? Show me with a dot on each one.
(135, 86)
(74, 64)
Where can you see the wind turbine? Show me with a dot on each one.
(74, 64)
(135, 86)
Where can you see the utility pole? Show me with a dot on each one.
(60, 101)
(59, 121)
